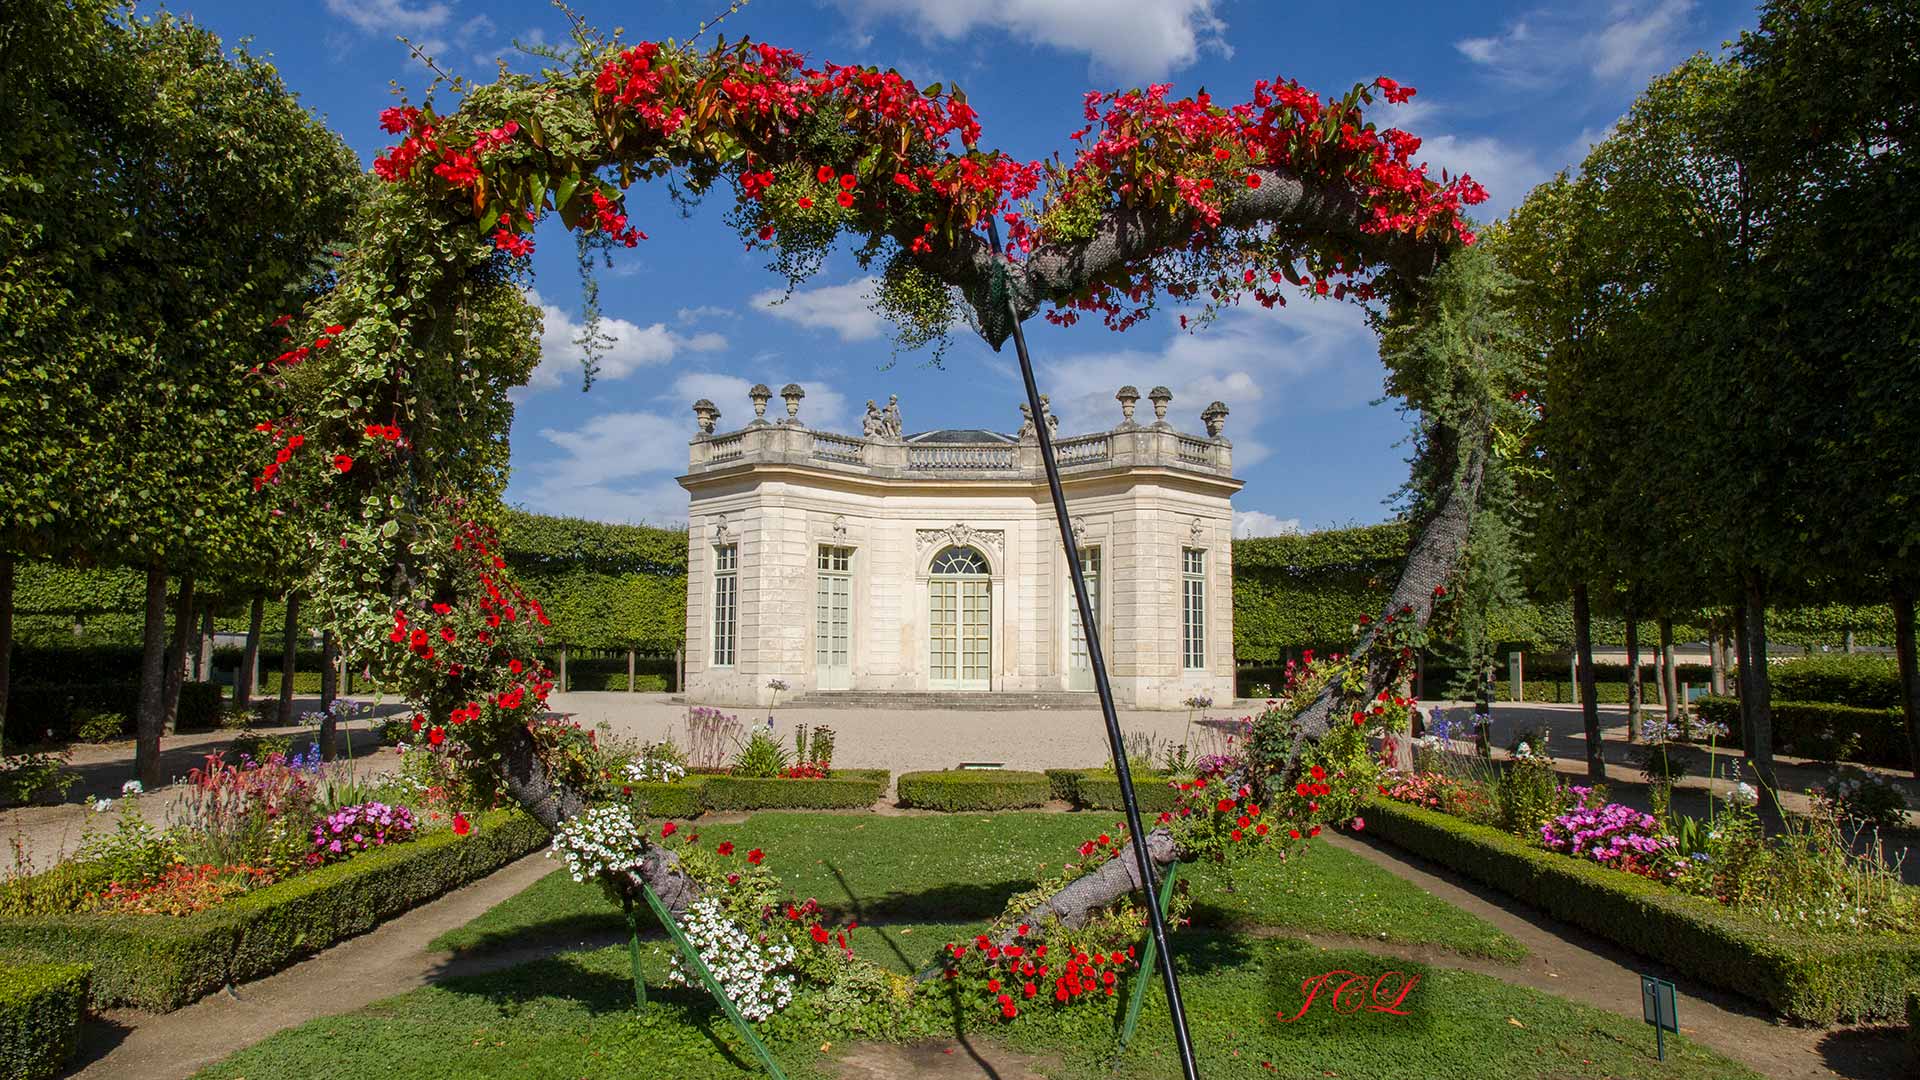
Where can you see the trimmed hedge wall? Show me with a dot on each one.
(1823, 732)
(680, 799)
(846, 789)
(973, 789)
(41, 1006)
(1867, 682)
(1817, 978)
(1913, 1025)
(1089, 789)
(160, 963)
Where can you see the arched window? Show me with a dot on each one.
(960, 561)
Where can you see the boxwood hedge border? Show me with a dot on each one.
(1812, 978)
(41, 1007)
(1095, 789)
(160, 963)
(845, 789)
(964, 790)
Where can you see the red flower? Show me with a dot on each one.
(515, 666)
(805, 203)
(1253, 180)
(1086, 848)
(437, 736)
(1224, 805)
(824, 174)
(819, 935)
(343, 462)
(668, 829)
(1439, 591)
(1221, 153)
(845, 199)
(849, 182)
(461, 826)
(993, 986)
(1260, 830)
(1238, 835)
(1318, 773)
(755, 856)
(725, 848)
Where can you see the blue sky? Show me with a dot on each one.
(1508, 92)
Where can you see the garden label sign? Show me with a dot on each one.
(1659, 1007)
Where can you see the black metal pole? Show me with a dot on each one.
(1144, 863)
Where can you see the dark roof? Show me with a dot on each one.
(961, 435)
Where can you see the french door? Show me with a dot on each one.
(960, 622)
(1079, 663)
(832, 623)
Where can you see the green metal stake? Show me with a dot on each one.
(692, 957)
(1137, 990)
(633, 952)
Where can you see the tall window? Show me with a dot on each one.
(1193, 608)
(726, 605)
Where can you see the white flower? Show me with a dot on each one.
(603, 840)
(1744, 794)
(654, 770)
(100, 806)
(133, 787)
(749, 972)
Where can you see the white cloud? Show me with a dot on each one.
(617, 466)
(1251, 523)
(1623, 42)
(846, 309)
(389, 17)
(1508, 172)
(703, 313)
(632, 347)
(1126, 39)
(1310, 355)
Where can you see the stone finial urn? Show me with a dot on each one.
(1128, 397)
(1215, 417)
(706, 414)
(1161, 398)
(760, 395)
(791, 394)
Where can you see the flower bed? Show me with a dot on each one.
(1094, 789)
(41, 1006)
(1815, 977)
(973, 789)
(161, 964)
(844, 789)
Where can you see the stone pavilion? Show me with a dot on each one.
(895, 563)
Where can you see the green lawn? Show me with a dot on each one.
(963, 867)
(572, 1016)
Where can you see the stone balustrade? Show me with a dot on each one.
(1127, 447)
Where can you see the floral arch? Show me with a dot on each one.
(391, 451)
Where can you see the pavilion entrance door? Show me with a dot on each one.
(832, 620)
(960, 622)
(1079, 664)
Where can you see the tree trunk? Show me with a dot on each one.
(1756, 705)
(1115, 878)
(6, 643)
(1589, 699)
(1669, 674)
(630, 683)
(247, 676)
(1847, 642)
(288, 662)
(1909, 677)
(1429, 564)
(526, 781)
(329, 730)
(177, 653)
(153, 680)
(1633, 679)
(205, 655)
(1716, 660)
